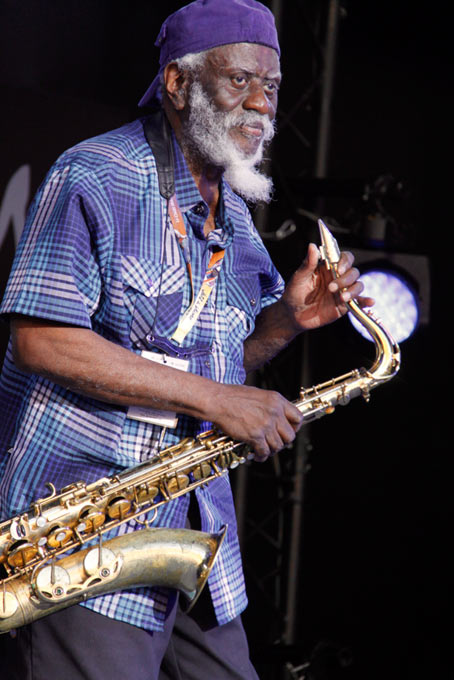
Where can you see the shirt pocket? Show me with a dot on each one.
(153, 295)
(243, 304)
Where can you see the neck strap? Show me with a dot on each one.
(157, 132)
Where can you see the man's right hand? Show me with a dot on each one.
(263, 419)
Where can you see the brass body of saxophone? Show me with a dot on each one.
(54, 554)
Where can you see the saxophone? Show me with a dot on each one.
(56, 554)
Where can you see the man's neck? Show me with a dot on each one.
(207, 181)
(207, 177)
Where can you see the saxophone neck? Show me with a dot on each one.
(387, 351)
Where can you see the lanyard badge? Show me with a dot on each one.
(198, 302)
(168, 355)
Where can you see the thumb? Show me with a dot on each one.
(310, 262)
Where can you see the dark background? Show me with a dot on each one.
(373, 586)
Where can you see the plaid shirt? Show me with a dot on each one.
(98, 252)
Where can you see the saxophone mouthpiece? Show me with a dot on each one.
(329, 250)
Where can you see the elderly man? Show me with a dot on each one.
(138, 253)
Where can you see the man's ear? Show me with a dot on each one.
(176, 84)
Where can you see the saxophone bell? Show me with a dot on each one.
(174, 558)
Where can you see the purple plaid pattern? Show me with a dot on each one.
(97, 252)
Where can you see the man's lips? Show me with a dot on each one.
(251, 130)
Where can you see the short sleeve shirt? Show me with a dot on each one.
(98, 252)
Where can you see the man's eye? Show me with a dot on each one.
(271, 88)
(239, 81)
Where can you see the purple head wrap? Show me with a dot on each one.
(204, 24)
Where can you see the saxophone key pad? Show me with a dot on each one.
(118, 507)
(17, 530)
(8, 605)
(21, 553)
(58, 536)
(98, 561)
(52, 581)
(92, 518)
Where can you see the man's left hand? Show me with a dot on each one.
(313, 298)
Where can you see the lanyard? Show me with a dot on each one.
(198, 302)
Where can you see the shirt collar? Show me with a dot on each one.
(188, 195)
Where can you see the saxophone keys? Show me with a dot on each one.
(51, 581)
(8, 604)
(41, 521)
(365, 393)
(222, 461)
(18, 530)
(177, 483)
(325, 406)
(118, 507)
(59, 536)
(201, 471)
(244, 452)
(146, 493)
(235, 460)
(21, 553)
(98, 561)
(230, 460)
(90, 519)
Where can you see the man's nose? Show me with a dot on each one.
(257, 100)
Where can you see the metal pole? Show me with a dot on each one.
(302, 443)
(241, 502)
(294, 553)
(261, 213)
(321, 161)
(276, 8)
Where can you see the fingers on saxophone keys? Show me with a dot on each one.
(365, 301)
(261, 452)
(347, 286)
(275, 442)
(352, 292)
(264, 451)
(294, 417)
(345, 262)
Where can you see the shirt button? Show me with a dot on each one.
(253, 301)
(199, 209)
(207, 363)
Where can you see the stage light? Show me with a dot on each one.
(399, 285)
(396, 304)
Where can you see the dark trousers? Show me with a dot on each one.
(79, 644)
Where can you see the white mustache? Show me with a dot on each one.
(252, 118)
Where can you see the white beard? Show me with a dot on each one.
(206, 135)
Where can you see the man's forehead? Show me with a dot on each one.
(245, 56)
